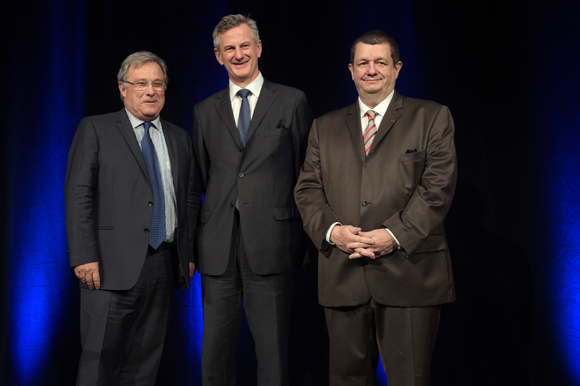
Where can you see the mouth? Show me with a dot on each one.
(239, 64)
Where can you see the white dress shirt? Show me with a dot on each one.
(255, 87)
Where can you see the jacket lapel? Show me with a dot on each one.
(124, 126)
(391, 116)
(354, 129)
(267, 97)
(224, 109)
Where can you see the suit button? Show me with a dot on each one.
(146, 230)
(150, 203)
(241, 175)
(231, 204)
(364, 203)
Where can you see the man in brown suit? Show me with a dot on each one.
(374, 201)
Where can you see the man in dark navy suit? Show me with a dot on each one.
(249, 140)
(131, 206)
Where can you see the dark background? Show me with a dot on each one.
(508, 70)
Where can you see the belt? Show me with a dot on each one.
(162, 247)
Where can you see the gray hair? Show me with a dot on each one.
(231, 21)
(138, 59)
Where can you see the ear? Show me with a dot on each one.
(351, 68)
(123, 89)
(218, 56)
(259, 48)
(398, 67)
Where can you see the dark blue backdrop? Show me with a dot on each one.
(507, 70)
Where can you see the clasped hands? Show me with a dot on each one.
(363, 245)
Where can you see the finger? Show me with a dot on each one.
(352, 229)
(366, 253)
(191, 269)
(97, 280)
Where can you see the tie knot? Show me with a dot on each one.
(244, 93)
(147, 125)
(372, 114)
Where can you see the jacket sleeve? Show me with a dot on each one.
(317, 215)
(79, 195)
(432, 197)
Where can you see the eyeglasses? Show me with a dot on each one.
(140, 86)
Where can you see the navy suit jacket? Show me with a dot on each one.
(263, 175)
(108, 199)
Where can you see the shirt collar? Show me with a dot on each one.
(380, 109)
(135, 122)
(255, 87)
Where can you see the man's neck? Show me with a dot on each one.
(245, 83)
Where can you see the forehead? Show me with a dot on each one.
(237, 34)
(372, 51)
(150, 70)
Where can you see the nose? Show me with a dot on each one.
(238, 54)
(150, 90)
(372, 69)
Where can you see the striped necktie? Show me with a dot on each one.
(370, 131)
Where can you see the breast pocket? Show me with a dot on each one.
(411, 166)
(277, 131)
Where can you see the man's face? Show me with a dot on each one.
(239, 54)
(144, 104)
(373, 72)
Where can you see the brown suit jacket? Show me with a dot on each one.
(407, 192)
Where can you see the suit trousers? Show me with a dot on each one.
(267, 302)
(122, 332)
(405, 338)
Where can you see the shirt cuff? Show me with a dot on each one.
(398, 243)
(330, 231)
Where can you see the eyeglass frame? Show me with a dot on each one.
(147, 86)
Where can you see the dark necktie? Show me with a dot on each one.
(158, 231)
(243, 124)
(244, 118)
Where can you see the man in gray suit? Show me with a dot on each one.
(249, 140)
(131, 203)
(378, 179)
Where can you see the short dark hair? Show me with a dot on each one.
(377, 37)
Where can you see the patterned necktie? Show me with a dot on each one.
(158, 230)
(244, 118)
(370, 131)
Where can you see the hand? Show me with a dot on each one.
(384, 244)
(191, 270)
(89, 274)
(347, 238)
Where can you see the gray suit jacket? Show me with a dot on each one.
(406, 192)
(108, 199)
(263, 175)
